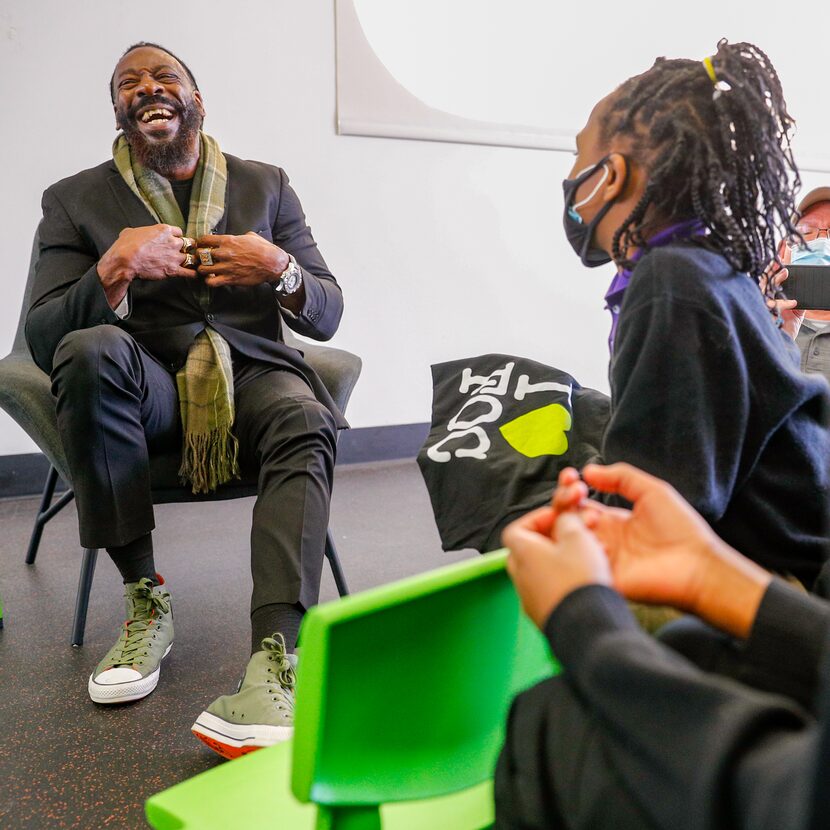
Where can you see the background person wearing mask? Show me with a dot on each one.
(809, 328)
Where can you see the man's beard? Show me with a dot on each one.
(164, 157)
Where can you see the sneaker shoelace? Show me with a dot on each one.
(283, 671)
(146, 603)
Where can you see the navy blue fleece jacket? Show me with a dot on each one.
(707, 394)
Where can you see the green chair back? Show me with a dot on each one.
(402, 696)
(404, 690)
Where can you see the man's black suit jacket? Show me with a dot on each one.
(82, 217)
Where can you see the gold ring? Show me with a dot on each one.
(188, 244)
(189, 261)
(205, 256)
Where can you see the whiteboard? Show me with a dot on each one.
(526, 73)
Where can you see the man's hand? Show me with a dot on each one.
(241, 260)
(546, 571)
(663, 553)
(791, 316)
(149, 253)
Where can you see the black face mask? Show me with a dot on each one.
(579, 234)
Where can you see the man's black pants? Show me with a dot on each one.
(116, 405)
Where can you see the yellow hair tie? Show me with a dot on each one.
(707, 62)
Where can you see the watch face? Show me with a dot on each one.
(290, 280)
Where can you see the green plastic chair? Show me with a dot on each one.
(402, 698)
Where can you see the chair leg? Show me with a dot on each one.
(45, 513)
(45, 501)
(336, 567)
(82, 600)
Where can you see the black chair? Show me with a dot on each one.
(25, 394)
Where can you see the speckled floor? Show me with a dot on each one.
(66, 762)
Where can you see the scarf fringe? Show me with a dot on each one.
(209, 459)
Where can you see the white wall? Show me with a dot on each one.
(508, 69)
(443, 251)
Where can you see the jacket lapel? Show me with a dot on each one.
(135, 212)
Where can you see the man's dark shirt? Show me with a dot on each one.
(181, 191)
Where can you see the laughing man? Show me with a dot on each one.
(164, 279)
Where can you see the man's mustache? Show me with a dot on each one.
(158, 100)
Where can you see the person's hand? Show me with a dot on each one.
(241, 260)
(569, 494)
(663, 553)
(660, 549)
(791, 316)
(546, 571)
(147, 253)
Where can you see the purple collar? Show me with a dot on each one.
(616, 291)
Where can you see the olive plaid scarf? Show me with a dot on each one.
(205, 382)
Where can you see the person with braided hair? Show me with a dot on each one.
(684, 177)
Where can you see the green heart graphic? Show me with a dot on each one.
(539, 432)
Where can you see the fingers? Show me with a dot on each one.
(570, 491)
(174, 231)
(775, 273)
(213, 240)
(530, 529)
(209, 272)
(621, 479)
(175, 271)
(538, 521)
(594, 513)
(212, 260)
(517, 536)
(780, 277)
(215, 280)
(569, 525)
(187, 273)
(510, 563)
(524, 542)
(570, 496)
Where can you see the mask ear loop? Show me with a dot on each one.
(594, 192)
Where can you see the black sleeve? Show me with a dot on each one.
(323, 307)
(66, 294)
(701, 751)
(674, 365)
(787, 642)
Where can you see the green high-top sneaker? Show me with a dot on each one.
(131, 667)
(261, 713)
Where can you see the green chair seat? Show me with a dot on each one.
(402, 699)
(255, 792)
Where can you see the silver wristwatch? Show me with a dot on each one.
(289, 280)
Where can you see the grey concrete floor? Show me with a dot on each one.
(66, 762)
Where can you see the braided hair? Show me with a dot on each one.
(716, 149)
